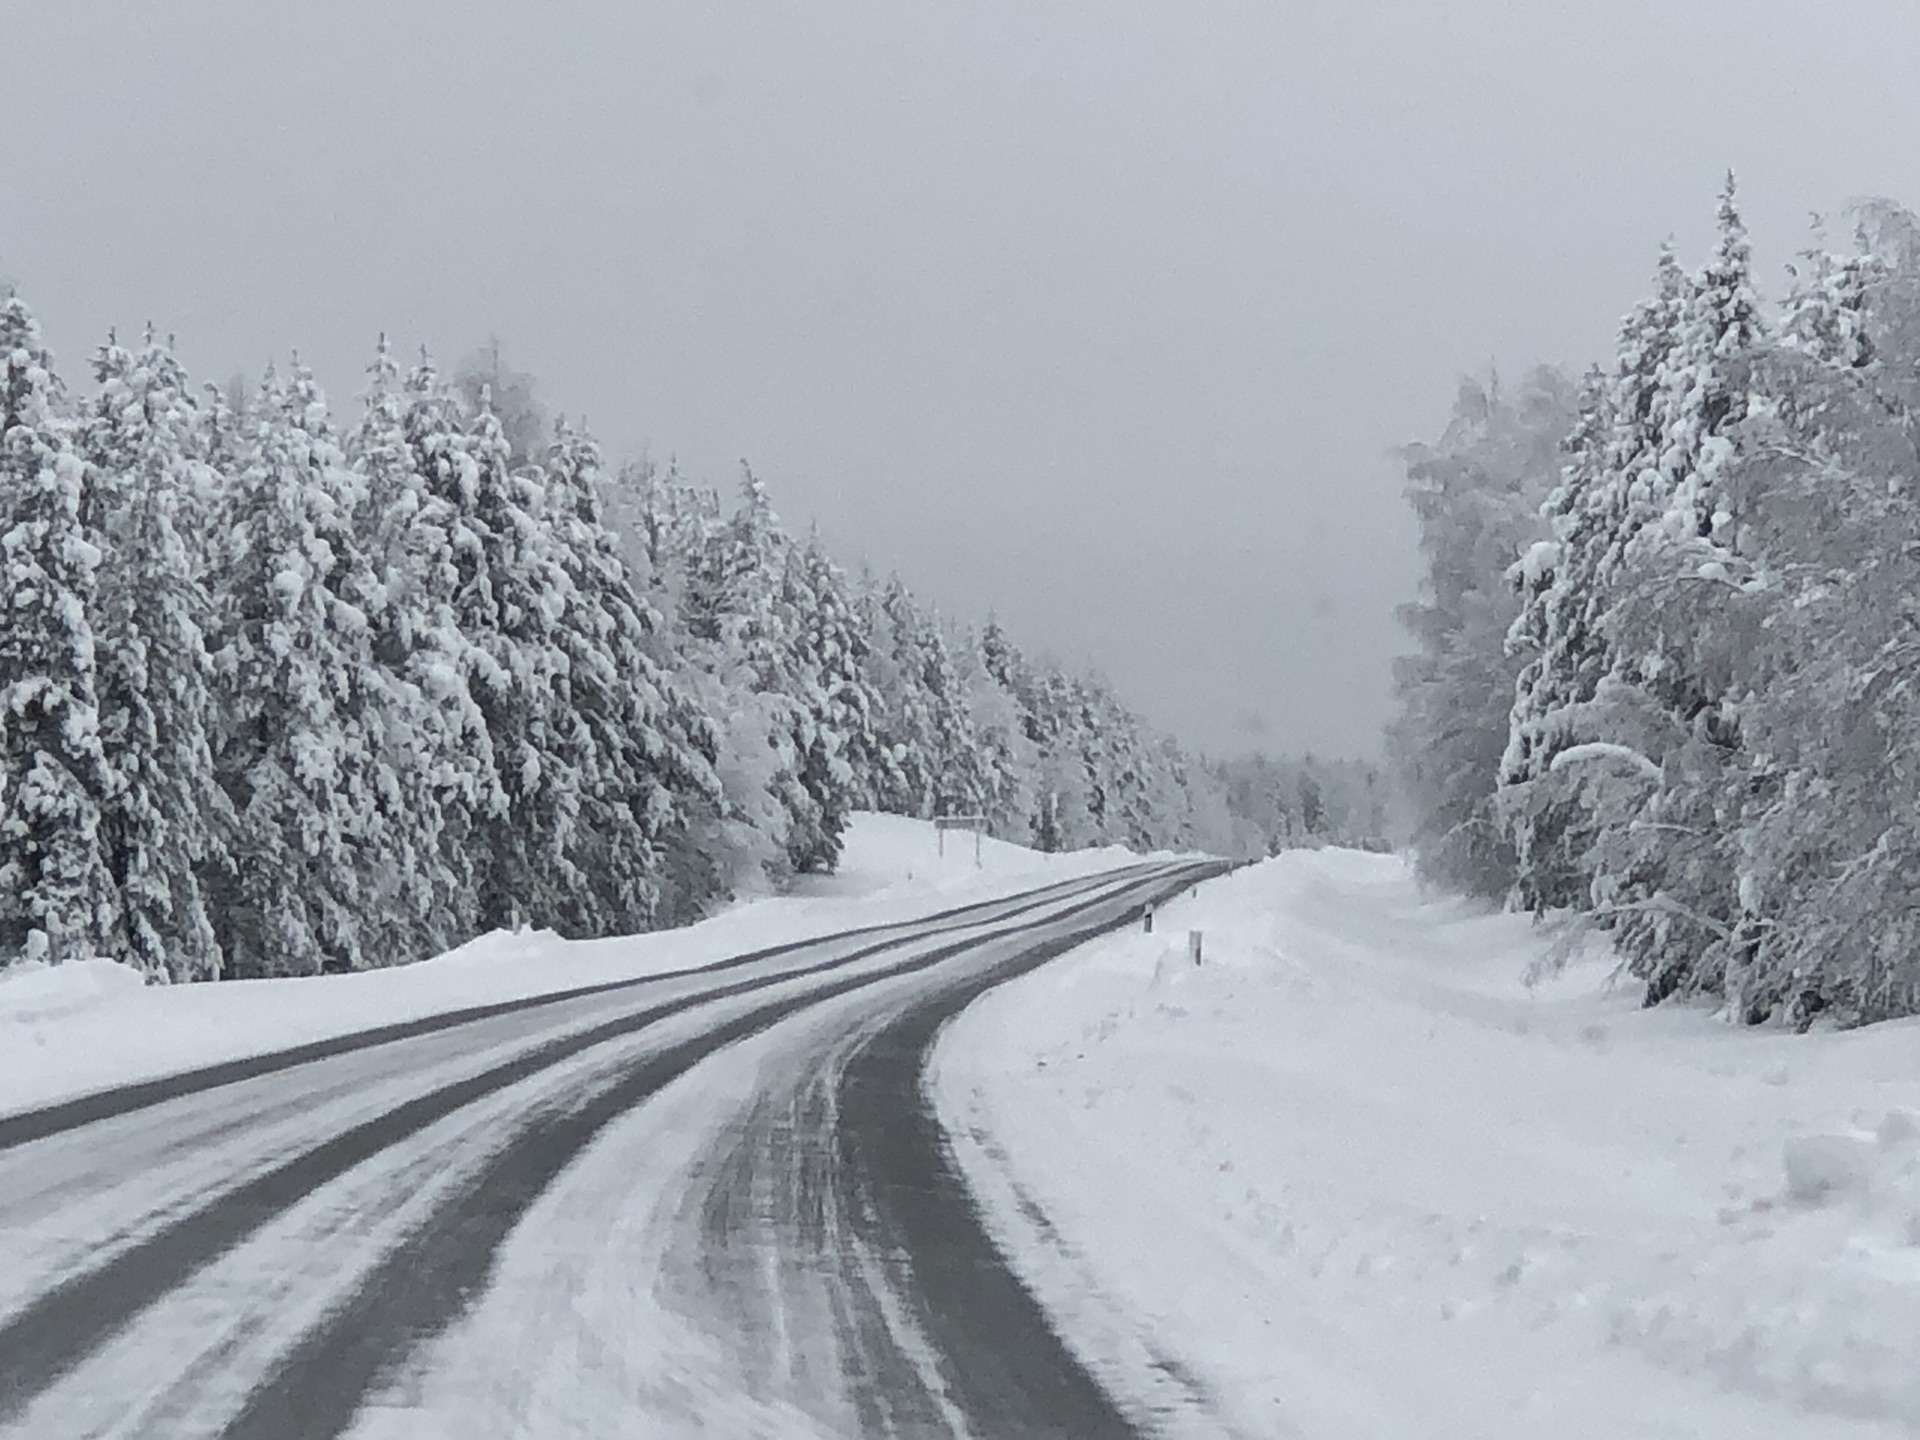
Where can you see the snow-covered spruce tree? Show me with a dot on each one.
(57, 896)
(1069, 760)
(511, 606)
(166, 823)
(929, 759)
(1559, 700)
(1830, 499)
(678, 542)
(1683, 637)
(664, 523)
(1121, 766)
(222, 445)
(1192, 812)
(651, 786)
(299, 745)
(905, 748)
(1624, 773)
(1057, 785)
(771, 627)
(836, 748)
(1004, 758)
(1001, 692)
(1477, 495)
(420, 544)
(960, 772)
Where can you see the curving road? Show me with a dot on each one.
(707, 1202)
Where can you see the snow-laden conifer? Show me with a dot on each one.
(961, 783)
(929, 761)
(1674, 608)
(1562, 697)
(1828, 844)
(300, 748)
(1004, 755)
(828, 665)
(511, 605)
(1477, 496)
(57, 895)
(649, 756)
(166, 823)
(437, 745)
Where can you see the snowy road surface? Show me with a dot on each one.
(707, 1201)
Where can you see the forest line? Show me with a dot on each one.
(281, 697)
(1667, 641)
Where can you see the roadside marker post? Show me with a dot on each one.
(1193, 945)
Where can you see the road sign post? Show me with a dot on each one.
(944, 823)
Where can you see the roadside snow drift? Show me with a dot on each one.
(1352, 1178)
(70, 1029)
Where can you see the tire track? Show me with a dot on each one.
(422, 1287)
(49, 1335)
(26, 1126)
(1000, 1363)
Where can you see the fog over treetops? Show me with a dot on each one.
(1104, 319)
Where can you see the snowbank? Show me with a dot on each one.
(1351, 1177)
(69, 1029)
(38, 991)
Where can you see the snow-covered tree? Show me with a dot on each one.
(57, 894)
(300, 749)
(419, 541)
(511, 604)
(1680, 635)
(1828, 847)
(1477, 495)
(901, 781)
(166, 823)
(650, 755)
(824, 672)
(1709, 746)
(1561, 698)
(1003, 758)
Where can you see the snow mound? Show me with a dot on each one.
(1356, 1176)
(892, 853)
(1823, 1169)
(36, 992)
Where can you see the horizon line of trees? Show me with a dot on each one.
(283, 697)
(1669, 635)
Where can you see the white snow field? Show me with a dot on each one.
(72, 1029)
(1352, 1178)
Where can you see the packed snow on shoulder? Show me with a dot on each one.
(1352, 1176)
(87, 1025)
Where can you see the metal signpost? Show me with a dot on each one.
(975, 823)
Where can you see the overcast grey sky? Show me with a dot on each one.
(1103, 314)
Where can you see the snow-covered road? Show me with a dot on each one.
(655, 1204)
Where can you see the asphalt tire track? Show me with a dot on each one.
(48, 1336)
(26, 1126)
(1003, 1365)
(938, 1337)
(421, 1288)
